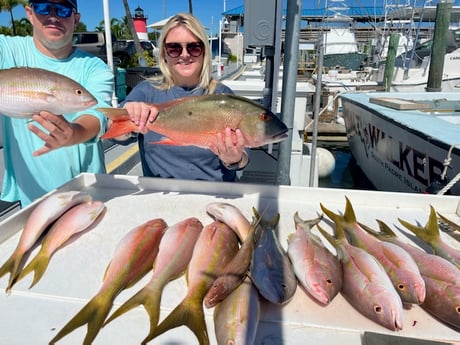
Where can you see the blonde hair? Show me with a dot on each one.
(192, 24)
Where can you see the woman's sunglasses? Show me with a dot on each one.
(44, 8)
(174, 49)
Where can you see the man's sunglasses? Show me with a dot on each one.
(174, 49)
(44, 8)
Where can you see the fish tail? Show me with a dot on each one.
(12, 265)
(149, 298)
(310, 222)
(7, 267)
(385, 232)
(339, 231)
(115, 114)
(336, 218)
(349, 215)
(119, 128)
(121, 122)
(38, 265)
(329, 237)
(93, 314)
(428, 233)
(189, 313)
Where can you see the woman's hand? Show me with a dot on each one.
(141, 114)
(230, 148)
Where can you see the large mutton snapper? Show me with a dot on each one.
(196, 120)
(25, 91)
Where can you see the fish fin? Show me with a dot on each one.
(119, 128)
(452, 225)
(428, 233)
(166, 141)
(38, 265)
(349, 215)
(188, 313)
(93, 314)
(149, 297)
(7, 267)
(335, 217)
(115, 114)
(310, 223)
(14, 266)
(328, 236)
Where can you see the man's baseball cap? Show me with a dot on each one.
(72, 3)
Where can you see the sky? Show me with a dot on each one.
(92, 11)
(207, 11)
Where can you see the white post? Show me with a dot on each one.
(109, 50)
(219, 61)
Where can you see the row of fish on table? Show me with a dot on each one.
(376, 272)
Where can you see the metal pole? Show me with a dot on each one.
(219, 72)
(316, 110)
(109, 49)
(291, 52)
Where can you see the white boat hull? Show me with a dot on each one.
(404, 150)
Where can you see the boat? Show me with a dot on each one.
(405, 142)
(341, 49)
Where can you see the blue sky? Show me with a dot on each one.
(208, 11)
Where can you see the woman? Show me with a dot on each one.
(185, 61)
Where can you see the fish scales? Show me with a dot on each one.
(236, 270)
(442, 278)
(73, 221)
(215, 247)
(196, 121)
(399, 265)
(271, 270)
(237, 317)
(174, 254)
(366, 285)
(230, 215)
(133, 258)
(319, 271)
(46, 212)
(25, 91)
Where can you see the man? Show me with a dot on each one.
(45, 153)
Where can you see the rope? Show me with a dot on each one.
(446, 164)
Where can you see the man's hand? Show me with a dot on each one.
(59, 132)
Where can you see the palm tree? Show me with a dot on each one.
(137, 44)
(8, 5)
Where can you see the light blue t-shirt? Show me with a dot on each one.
(27, 177)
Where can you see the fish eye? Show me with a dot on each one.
(401, 287)
(78, 92)
(265, 117)
(378, 309)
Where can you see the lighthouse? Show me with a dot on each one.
(140, 24)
